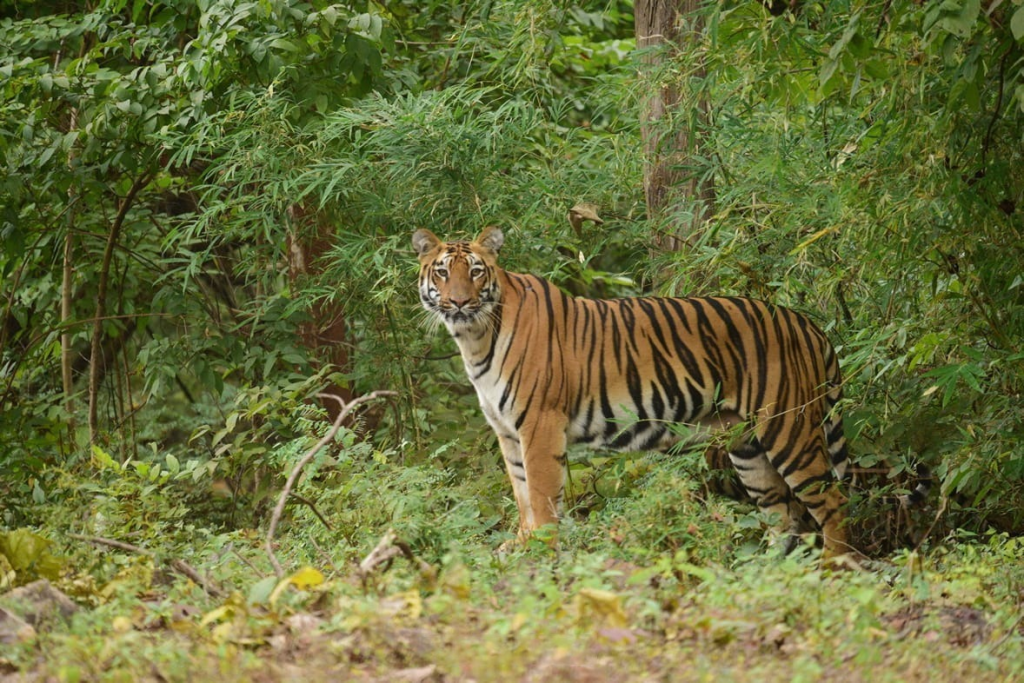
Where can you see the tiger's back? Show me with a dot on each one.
(551, 370)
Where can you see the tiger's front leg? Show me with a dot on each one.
(541, 446)
(512, 453)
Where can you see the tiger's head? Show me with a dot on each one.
(458, 280)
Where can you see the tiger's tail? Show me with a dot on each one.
(833, 416)
(837, 441)
(923, 488)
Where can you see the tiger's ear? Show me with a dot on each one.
(424, 241)
(491, 238)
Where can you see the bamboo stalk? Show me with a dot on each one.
(101, 303)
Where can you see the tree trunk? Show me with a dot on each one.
(326, 335)
(671, 149)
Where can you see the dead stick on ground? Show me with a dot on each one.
(279, 508)
(179, 566)
(387, 549)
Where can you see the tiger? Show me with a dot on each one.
(552, 370)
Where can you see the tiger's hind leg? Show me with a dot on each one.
(769, 489)
(805, 466)
(721, 478)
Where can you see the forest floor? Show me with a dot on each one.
(389, 573)
(545, 620)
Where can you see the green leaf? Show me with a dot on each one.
(1017, 24)
(103, 459)
(29, 554)
(260, 592)
(38, 495)
(284, 44)
(849, 34)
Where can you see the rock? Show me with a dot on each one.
(422, 674)
(14, 629)
(38, 602)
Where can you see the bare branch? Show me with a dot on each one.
(384, 551)
(308, 503)
(387, 549)
(286, 491)
(180, 566)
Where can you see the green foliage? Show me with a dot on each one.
(866, 170)
(866, 160)
(189, 137)
(90, 99)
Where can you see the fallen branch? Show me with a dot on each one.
(387, 549)
(180, 566)
(286, 491)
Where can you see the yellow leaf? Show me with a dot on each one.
(7, 574)
(593, 605)
(519, 620)
(304, 579)
(121, 624)
(222, 632)
(182, 626)
(813, 238)
(456, 581)
(217, 614)
(405, 605)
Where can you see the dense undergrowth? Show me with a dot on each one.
(652, 580)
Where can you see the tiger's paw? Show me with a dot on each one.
(850, 560)
(509, 546)
(542, 537)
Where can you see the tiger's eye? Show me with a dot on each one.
(441, 272)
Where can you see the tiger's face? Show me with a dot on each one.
(458, 280)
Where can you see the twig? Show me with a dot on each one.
(247, 562)
(986, 143)
(424, 567)
(1006, 636)
(120, 545)
(286, 491)
(323, 554)
(387, 549)
(938, 515)
(308, 503)
(101, 302)
(177, 565)
(444, 357)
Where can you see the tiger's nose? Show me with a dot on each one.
(459, 303)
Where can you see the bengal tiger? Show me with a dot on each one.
(552, 370)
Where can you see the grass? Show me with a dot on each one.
(655, 584)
